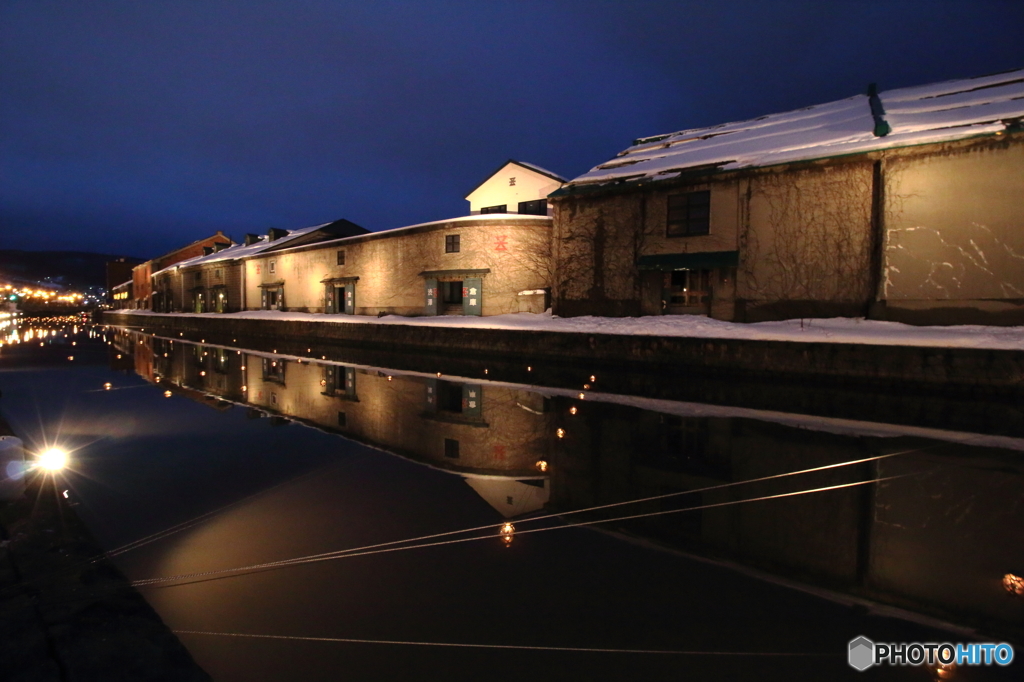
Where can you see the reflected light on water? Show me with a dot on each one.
(1014, 584)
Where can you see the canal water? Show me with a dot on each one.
(320, 513)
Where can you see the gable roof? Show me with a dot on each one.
(939, 112)
(521, 164)
(306, 235)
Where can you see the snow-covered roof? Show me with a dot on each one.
(243, 250)
(938, 112)
(503, 217)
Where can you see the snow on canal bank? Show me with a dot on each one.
(834, 330)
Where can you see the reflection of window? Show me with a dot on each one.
(689, 214)
(494, 209)
(273, 370)
(537, 207)
(451, 448)
(221, 362)
(451, 243)
(340, 382)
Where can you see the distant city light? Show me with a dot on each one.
(506, 532)
(541, 465)
(107, 386)
(167, 394)
(573, 410)
(560, 433)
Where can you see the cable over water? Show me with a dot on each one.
(204, 576)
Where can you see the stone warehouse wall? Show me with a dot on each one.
(388, 266)
(954, 232)
(807, 243)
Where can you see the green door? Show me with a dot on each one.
(432, 302)
(472, 296)
(350, 298)
(329, 298)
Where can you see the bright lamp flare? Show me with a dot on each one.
(53, 459)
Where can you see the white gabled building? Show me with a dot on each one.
(516, 187)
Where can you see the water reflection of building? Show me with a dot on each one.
(939, 540)
(457, 426)
(493, 438)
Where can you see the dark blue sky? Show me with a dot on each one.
(135, 127)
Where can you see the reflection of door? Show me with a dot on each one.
(472, 398)
(687, 292)
(431, 297)
(350, 298)
(472, 296)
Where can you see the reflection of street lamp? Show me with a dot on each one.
(506, 532)
(944, 671)
(53, 459)
(1014, 584)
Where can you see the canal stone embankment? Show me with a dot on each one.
(933, 368)
(66, 613)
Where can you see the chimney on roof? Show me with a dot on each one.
(251, 239)
(275, 233)
(207, 250)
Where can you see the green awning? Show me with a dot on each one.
(706, 260)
